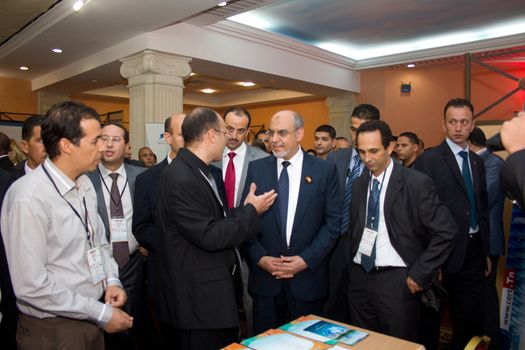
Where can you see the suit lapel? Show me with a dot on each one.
(474, 164)
(450, 160)
(271, 176)
(305, 189)
(247, 158)
(102, 209)
(393, 187)
(343, 170)
(359, 197)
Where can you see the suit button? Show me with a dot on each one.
(467, 213)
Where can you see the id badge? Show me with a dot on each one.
(96, 267)
(367, 241)
(119, 230)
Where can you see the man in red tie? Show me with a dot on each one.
(235, 159)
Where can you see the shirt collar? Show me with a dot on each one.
(295, 161)
(63, 183)
(454, 147)
(105, 171)
(194, 161)
(240, 151)
(385, 174)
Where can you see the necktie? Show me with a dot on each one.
(283, 188)
(467, 178)
(372, 222)
(120, 249)
(350, 178)
(229, 181)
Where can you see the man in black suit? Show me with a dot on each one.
(34, 149)
(114, 182)
(513, 169)
(459, 177)
(288, 259)
(349, 167)
(197, 236)
(5, 162)
(401, 234)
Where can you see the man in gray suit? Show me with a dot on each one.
(349, 168)
(235, 159)
(114, 182)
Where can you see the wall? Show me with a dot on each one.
(16, 96)
(105, 105)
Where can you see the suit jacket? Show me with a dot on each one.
(196, 247)
(420, 227)
(513, 177)
(252, 153)
(440, 164)
(341, 158)
(6, 164)
(131, 174)
(316, 226)
(496, 202)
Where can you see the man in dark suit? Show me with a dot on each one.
(234, 164)
(513, 169)
(401, 234)
(496, 203)
(197, 236)
(114, 182)
(5, 162)
(35, 152)
(459, 177)
(288, 259)
(349, 168)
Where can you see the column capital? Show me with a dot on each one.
(155, 62)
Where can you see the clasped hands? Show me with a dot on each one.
(116, 297)
(283, 267)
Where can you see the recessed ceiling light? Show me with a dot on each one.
(94, 81)
(208, 91)
(56, 50)
(411, 65)
(24, 68)
(247, 83)
(192, 74)
(223, 3)
(78, 5)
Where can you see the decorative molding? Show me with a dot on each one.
(155, 62)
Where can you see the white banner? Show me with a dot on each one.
(155, 140)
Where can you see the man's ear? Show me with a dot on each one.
(65, 146)
(25, 146)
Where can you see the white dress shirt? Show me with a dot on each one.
(238, 163)
(386, 255)
(295, 170)
(127, 204)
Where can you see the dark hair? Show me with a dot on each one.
(119, 125)
(260, 144)
(477, 137)
(373, 125)
(342, 138)
(326, 128)
(29, 126)
(62, 120)
(262, 131)
(311, 151)
(366, 112)
(5, 143)
(167, 125)
(239, 111)
(411, 136)
(458, 103)
(197, 123)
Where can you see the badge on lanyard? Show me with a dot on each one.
(96, 267)
(367, 241)
(119, 230)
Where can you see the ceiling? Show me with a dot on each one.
(359, 34)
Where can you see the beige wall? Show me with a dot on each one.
(16, 96)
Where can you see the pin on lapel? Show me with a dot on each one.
(308, 179)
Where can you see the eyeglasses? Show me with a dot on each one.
(462, 122)
(108, 139)
(232, 130)
(226, 134)
(282, 133)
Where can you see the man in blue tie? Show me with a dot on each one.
(459, 177)
(288, 259)
(401, 235)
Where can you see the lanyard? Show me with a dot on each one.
(85, 221)
(117, 204)
(370, 193)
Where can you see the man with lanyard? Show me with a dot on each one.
(59, 259)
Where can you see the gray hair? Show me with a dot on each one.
(298, 121)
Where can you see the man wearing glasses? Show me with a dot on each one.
(288, 257)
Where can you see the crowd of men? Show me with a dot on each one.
(99, 251)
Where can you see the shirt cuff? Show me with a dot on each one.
(101, 313)
(113, 281)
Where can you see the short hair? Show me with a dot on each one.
(366, 112)
(144, 148)
(197, 123)
(411, 136)
(5, 143)
(341, 138)
(119, 125)
(239, 111)
(262, 131)
(326, 128)
(373, 125)
(458, 103)
(29, 126)
(298, 121)
(62, 120)
(477, 137)
(167, 125)
(260, 144)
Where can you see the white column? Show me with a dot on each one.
(156, 83)
(339, 112)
